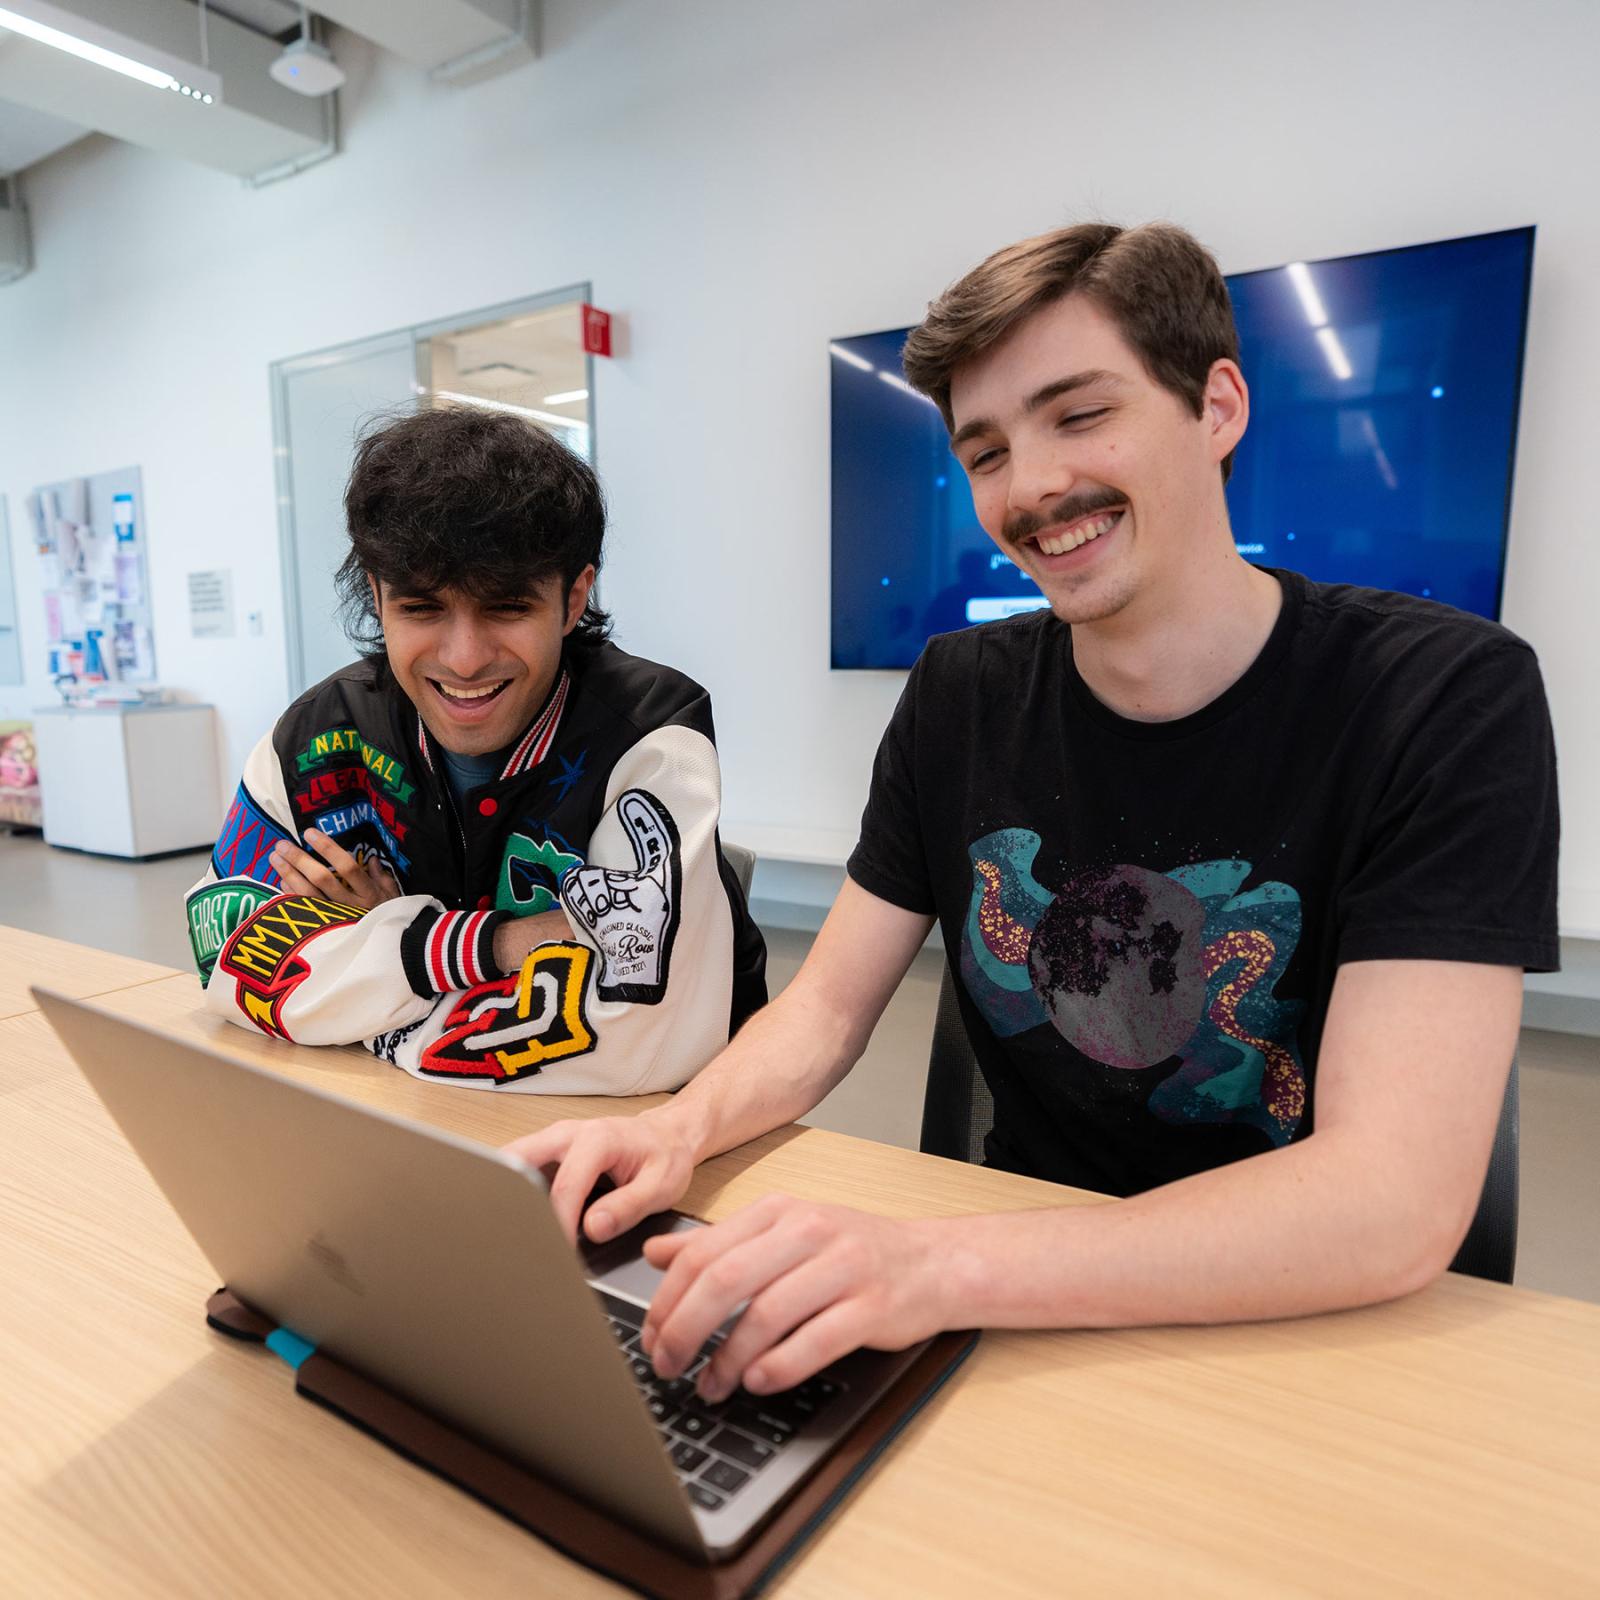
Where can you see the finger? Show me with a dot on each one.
(290, 881)
(662, 1250)
(697, 1247)
(701, 1246)
(585, 1160)
(633, 1199)
(718, 1291)
(544, 1148)
(823, 1339)
(343, 863)
(311, 876)
(805, 1291)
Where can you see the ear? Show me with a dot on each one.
(1227, 408)
(578, 598)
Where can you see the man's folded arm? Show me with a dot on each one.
(627, 988)
(306, 967)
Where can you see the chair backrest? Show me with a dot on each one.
(957, 1111)
(743, 864)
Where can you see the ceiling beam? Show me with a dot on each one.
(453, 41)
(255, 126)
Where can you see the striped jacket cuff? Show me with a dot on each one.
(448, 950)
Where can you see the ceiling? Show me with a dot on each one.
(255, 129)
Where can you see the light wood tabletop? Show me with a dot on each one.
(1446, 1444)
(27, 958)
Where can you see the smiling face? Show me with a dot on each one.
(1101, 484)
(477, 671)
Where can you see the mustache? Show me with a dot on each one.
(1068, 509)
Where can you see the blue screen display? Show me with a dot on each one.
(1383, 415)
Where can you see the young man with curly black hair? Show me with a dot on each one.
(488, 849)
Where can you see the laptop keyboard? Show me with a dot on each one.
(718, 1449)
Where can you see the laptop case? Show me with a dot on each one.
(573, 1526)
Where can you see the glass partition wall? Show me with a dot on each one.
(525, 357)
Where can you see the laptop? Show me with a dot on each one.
(436, 1266)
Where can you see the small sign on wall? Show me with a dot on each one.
(596, 330)
(211, 604)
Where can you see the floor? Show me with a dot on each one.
(136, 910)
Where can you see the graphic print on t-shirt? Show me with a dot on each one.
(1134, 967)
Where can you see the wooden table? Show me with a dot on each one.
(67, 968)
(1448, 1444)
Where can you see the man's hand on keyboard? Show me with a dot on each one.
(820, 1280)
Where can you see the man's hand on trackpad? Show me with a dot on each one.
(649, 1166)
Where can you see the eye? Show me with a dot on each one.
(1083, 416)
(985, 460)
(511, 608)
(418, 608)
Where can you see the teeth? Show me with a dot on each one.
(469, 694)
(1080, 535)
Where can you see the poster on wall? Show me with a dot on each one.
(90, 537)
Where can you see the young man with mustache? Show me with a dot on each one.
(489, 848)
(1238, 875)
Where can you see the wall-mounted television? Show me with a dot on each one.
(1384, 390)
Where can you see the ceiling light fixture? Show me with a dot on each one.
(904, 387)
(839, 352)
(567, 397)
(506, 405)
(63, 30)
(1310, 300)
(1338, 361)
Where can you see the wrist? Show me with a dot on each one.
(507, 954)
(955, 1269)
(682, 1123)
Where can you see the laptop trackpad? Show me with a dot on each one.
(619, 1266)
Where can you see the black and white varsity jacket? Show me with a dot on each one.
(607, 808)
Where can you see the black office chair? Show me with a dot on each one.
(957, 1112)
(742, 863)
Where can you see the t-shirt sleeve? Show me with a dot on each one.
(889, 859)
(1460, 860)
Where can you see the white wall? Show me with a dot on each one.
(744, 180)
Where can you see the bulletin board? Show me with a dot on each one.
(91, 540)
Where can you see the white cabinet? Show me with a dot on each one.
(128, 780)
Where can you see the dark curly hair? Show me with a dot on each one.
(471, 500)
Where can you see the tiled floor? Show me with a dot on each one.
(137, 910)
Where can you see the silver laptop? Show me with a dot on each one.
(436, 1266)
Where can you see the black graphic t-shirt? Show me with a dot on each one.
(1146, 918)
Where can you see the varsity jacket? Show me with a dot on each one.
(607, 808)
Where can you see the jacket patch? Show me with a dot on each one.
(531, 873)
(244, 847)
(570, 776)
(386, 1046)
(214, 911)
(633, 916)
(263, 953)
(333, 742)
(510, 1027)
(364, 817)
(329, 788)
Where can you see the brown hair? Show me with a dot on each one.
(1159, 284)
